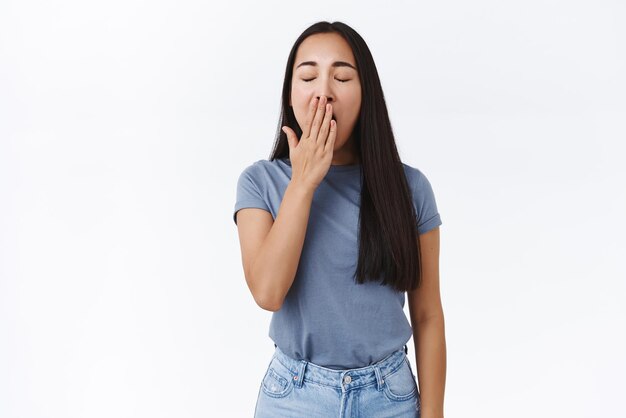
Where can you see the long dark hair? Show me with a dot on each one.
(388, 239)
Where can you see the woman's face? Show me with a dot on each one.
(326, 60)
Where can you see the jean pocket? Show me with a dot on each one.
(277, 381)
(400, 384)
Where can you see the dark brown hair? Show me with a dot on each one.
(388, 238)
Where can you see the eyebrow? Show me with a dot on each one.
(334, 64)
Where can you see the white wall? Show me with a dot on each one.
(125, 124)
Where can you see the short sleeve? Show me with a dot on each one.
(249, 193)
(425, 205)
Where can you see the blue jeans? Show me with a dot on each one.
(297, 388)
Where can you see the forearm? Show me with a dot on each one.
(430, 359)
(274, 268)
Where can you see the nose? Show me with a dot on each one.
(324, 86)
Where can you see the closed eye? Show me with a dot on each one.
(310, 79)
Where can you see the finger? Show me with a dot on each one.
(323, 134)
(292, 138)
(306, 129)
(332, 135)
(317, 120)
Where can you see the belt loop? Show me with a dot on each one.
(379, 378)
(298, 379)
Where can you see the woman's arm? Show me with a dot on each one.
(271, 249)
(428, 329)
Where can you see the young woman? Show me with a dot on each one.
(335, 231)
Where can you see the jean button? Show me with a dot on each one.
(347, 379)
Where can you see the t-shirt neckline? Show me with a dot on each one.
(333, 168)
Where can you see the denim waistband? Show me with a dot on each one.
(345, 379)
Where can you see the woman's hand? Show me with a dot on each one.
(312, 154)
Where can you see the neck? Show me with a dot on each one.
(346, 155)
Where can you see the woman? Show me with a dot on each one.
(335, 231)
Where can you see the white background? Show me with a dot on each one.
(124, 126)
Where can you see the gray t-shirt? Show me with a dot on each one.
(326, 318)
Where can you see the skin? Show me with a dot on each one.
(339, 85)
(428, 325)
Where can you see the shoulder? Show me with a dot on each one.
(414, 175)
(419, 184)
(261, 168)
(265, 166)
(254, 167)
(264, 172)
(423, 199)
